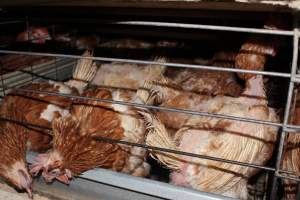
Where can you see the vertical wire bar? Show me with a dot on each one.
(55, 58)
(286, 114)
(74, 66)
(29, 49)
(298, 192)
(56, 69)
(2, 81)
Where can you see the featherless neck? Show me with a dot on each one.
(255, 87)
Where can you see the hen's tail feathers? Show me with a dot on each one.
(158, 136)
(155, 92)
(84, 72)
(145, 94)
(158, 69)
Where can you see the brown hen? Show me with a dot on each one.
(126, 75)
(188, 88)
(208, 82)
(75, 151)
(13, 167)
(221, 138)
(38, 109)
(255, 51)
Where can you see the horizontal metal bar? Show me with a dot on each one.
(103, 139)
(109, 140)
(114, 141)
(12, 22)
(206, 114)
(30, 73)
(288, 127)
(291, 128)
(213, 68)
(155, 188)
(36, 75)
(287, 177)
(208, 27)
(295, 129)
(86, 189)
(26, 124)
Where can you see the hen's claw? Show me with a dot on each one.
(35, 169)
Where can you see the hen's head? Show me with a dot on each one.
(19, 177)
(38, 35)
(55, 164)
(51, 167)
(13, 167)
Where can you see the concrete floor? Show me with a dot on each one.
(9, 193)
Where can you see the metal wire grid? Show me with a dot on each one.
(285, 126)
(43, 71)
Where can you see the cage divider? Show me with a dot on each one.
(286, 114)
(134, 61)
(285, 126)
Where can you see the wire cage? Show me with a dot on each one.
(50, 62)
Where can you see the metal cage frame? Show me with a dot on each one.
(165, 190)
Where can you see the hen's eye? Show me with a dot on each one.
(54, 172)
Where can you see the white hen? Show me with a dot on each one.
(221, 138)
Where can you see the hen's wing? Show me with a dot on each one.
(80, 153)
(38, 109)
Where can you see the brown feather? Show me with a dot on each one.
(206, 81)
(31, 105)
(74, 148)
(81, 153)
(13, 139)
(253, 55)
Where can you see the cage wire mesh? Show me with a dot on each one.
(61, 66)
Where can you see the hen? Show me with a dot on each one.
(41, 109)
(38, 35)
(221, 138)
(127, 43)
(13, 167)
(227, 139)
(255, 51)
(38, 109)
(74, 149)
(166, 94)
(208, 82)
(129, 76)
(188, 88)
(87, 42)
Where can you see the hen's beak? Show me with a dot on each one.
(64, 179)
